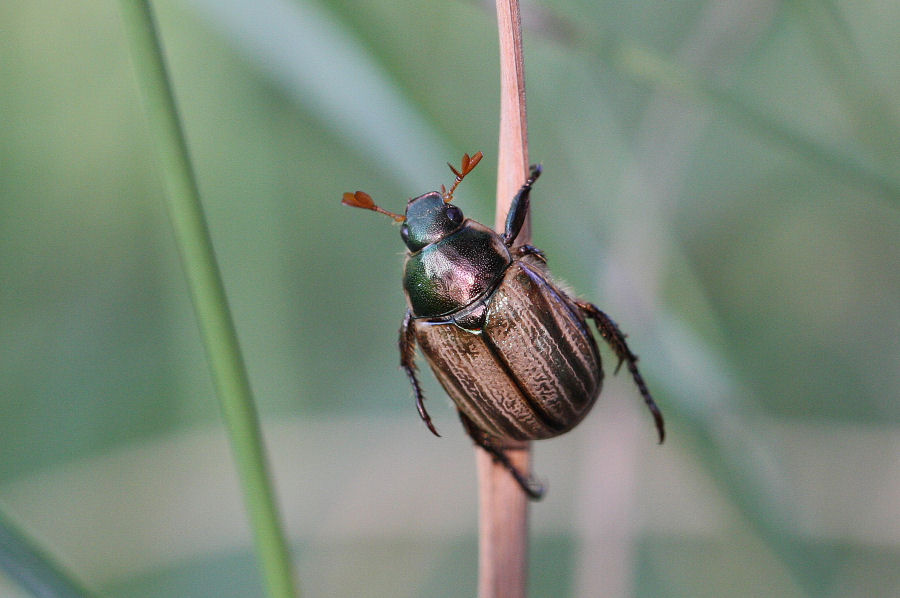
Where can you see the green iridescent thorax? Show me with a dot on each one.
(450, 274)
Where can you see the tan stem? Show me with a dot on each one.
(503, 506)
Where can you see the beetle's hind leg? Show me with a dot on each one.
(407, 343)
(533, 488)
(616, 340)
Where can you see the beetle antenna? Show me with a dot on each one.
(361, 199)
(468, 164)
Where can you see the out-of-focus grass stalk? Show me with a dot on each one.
(872, 115)
(646, 66)
(35, 570)
(208, 295)
(745, 486)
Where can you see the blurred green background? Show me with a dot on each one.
(720, 177)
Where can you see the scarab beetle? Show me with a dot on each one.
(512, 349)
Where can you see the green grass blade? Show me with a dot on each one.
(208, 295)
(289, 40)
(32, 568)
(871, 113)
(714, 411)
(643, 65)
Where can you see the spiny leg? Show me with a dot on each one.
(533, 488)
(407, 345)
(518, 209)
(524, 250)
(616, 340)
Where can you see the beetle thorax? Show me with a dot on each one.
(456, 271)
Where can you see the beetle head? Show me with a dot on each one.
(430, 217)
(428, 220)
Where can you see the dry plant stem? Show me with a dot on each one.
(503, 506)
(512, 159)
(503, 527)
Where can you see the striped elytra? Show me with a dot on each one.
(533, 370)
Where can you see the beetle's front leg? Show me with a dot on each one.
(533, 488)
(616, 340)
(407, 345)
(518, 209)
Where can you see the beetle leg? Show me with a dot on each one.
(408, 363)
(533, 488)
(518, 209)
(616, 340)
(523, 250)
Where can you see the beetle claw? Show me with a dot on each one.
(536, 489)
(533, 487)
(420, 400)
(425, 417)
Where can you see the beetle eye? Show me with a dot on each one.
(404, 233)
(454, 214)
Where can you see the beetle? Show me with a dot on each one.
(512, 349)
